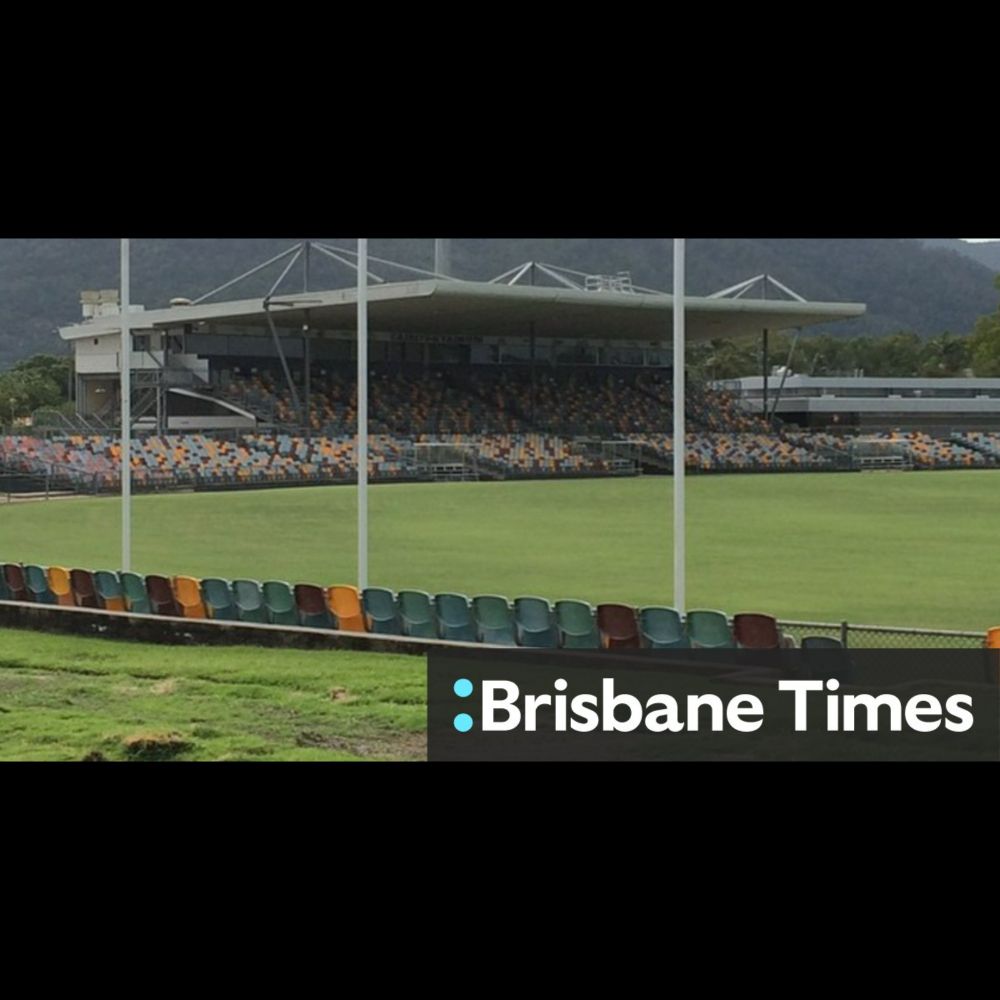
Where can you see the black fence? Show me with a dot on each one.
(884, 636)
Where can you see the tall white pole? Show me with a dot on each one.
(680, 448)
(362, 445)
(125, 364)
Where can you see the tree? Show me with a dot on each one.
(984, 344)
(33, 383)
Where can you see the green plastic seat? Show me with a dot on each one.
(662, 628)
(380, 611)
(249, 601)
(108, 587)
(577, 629)
(280, 603)
(494, 620)
(38, 585)
(417, 613)
(136, 599)
(218, 597)
(455, 618)
(821, 642)
(709, 630)
(535, 627)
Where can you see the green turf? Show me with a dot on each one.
(912, 549)
(69, 698)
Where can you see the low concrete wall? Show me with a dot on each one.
(201, 632)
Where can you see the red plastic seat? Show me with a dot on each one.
(753, 631)
(161, 596)
(13, 576)
(618, 626)
(81, 582)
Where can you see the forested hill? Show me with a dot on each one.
(907, 285)
(985, 253)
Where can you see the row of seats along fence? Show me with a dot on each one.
(487, 618)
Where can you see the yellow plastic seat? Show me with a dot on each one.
(187, 593)
(345, 602)
(59, 584)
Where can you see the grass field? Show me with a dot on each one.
(67, 698)
(878, 548)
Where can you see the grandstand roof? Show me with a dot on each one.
(472, 308)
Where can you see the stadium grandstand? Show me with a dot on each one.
(541, 372)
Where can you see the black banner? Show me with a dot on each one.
(644, 705)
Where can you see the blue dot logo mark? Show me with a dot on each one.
(463, 722)
(463, 687)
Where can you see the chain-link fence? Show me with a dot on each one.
(883, 636)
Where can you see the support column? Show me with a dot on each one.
(765, 365)
(680, 448)
(125, 366)
(362, 443)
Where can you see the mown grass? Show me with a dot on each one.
(67, 698)
(911, 549)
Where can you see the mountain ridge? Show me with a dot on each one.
(906, 284)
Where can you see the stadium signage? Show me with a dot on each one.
(704, 704)
(505, 709)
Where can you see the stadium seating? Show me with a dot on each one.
(84, 589)
(662, 628)
(249, 601)
(820, 642)
(494, 620)
(161, 596)
(136, 597)
(709, 630)
(59, 584)
(417, 614)
(753, 631)
(280, 603)
(217, 596)
(110, 594)
(187, 594)
(454, 617)
(37, 584)
(617, 625)
(575, 620)
(311, 603)
(345, 605)
(535, 625)
(13, 576)
(381, 613)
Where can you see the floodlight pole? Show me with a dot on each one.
(362, 445)
(680, 601)
(125, 366)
